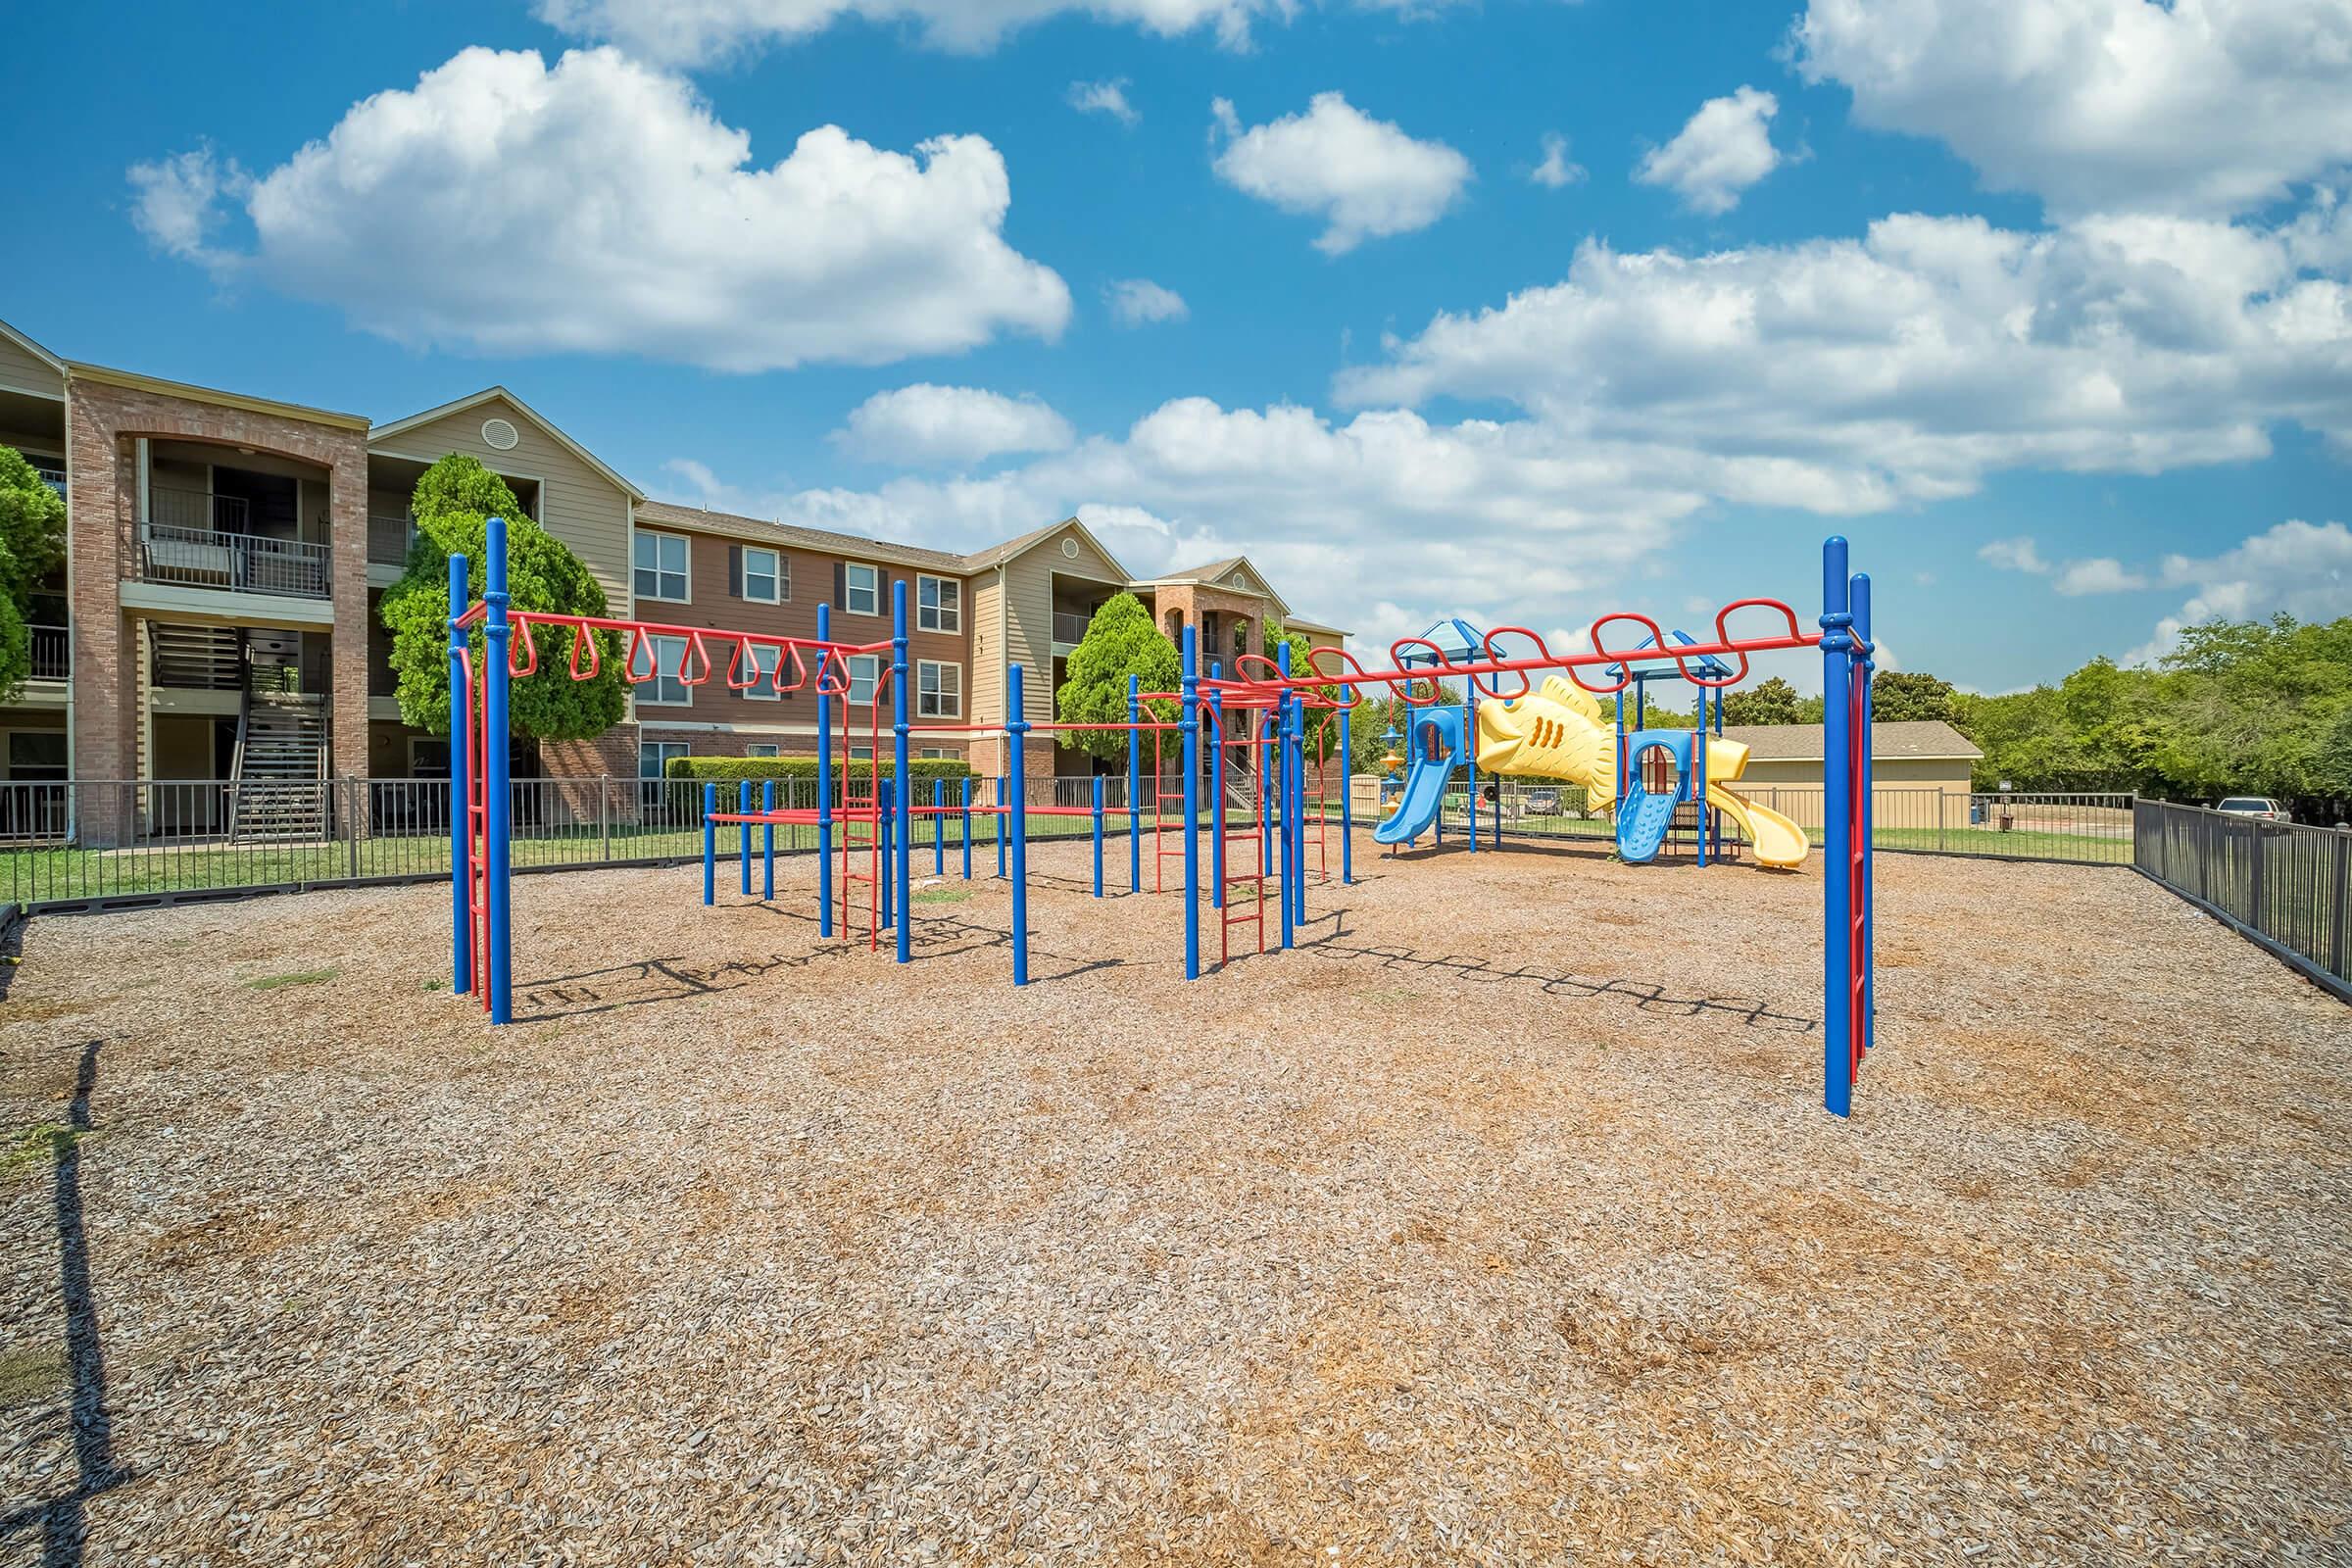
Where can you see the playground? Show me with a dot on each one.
(1498, 1220)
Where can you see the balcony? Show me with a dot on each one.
(388, 539)
(49, 474)
(1069, 627)
(239, 562)
(52, 653)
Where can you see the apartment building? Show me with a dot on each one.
(215, 617)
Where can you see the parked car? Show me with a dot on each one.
(2260, 807)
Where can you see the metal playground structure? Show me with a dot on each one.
(1257, 767)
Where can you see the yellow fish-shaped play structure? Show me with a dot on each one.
(1557, 731)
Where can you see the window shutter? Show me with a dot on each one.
(734, 571)
(841, 585)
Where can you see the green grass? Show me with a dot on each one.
(300, 977)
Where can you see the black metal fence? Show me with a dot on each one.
(2077, 829)
(93, 843)
(2285, 887)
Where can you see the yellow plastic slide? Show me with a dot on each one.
(1555, 732)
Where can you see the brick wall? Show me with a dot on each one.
(103, 425)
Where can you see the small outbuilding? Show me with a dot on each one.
(1909, 755)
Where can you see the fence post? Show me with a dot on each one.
(2341, 945)
(351, 821)
(604, 816)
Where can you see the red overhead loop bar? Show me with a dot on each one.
(1487, 646)
(584, 641)
(522, 653)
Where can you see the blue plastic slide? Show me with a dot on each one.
(1425, 781)
(1642, 822)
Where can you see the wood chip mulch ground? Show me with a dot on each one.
(1498, 1224)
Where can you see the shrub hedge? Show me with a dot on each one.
(729, 769)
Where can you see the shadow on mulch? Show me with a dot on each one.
(63, 1522)
(642, 982)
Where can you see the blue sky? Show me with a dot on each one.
(2068, 357)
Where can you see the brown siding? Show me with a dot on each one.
(812, 584)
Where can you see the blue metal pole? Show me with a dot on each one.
(824, 785)
(1267, 722)
(494, 744)
(743, 833)
(1190, 726)
(1216, 795)
(1298, 809)
(1016, 727)
(1135, 785)
(767, 843)
(902, 868)
(1866, 880)
(1098, 835)
(1347, 805)
(966, 834)
(1837, 965)
(709, 844)
(1285, 723)
(460, 799)
(1470, 760)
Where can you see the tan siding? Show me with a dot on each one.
(1029, 630)
(20, 372)
(988, 670)
(576, 504)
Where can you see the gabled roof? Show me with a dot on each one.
(490, 394)
(1214, 573)
(30, 347)
(1022, 544)
(1911, 739)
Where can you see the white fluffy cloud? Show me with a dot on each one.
(1724, 148)
(1139, 302)
(1906, 365)
(1365, 177)
(2014, 554)
(924, 425)
(698, 32)
(2302, 568)
(2100, 575)
(1104, 98)
(1556, 172)
(599, 206)
(2198, 106)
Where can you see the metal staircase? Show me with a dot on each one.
(280, 766)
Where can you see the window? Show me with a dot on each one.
(668, 687)
(939, 689)
(653, 764)
(941, 753)
(428, 758)
(865, 674)
(760, 574)
(761, 749)
(765, 658)
(37, 755)
(861, 753)
(939, 604)
(861, 590)
(661, 561)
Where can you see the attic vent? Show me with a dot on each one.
(1070, 547)
(501, 434)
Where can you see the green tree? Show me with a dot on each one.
(32, 540)
(1769, 702)
(454, 502)
(1898, 695)
(1120, 641)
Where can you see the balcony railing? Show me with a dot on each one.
(240, 562)
(389, 538)
(52, 653)
(49, 474)
(1069, 627)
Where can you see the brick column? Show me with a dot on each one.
(346, 534)
(100, 500)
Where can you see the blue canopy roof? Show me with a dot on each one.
(1706, 665)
